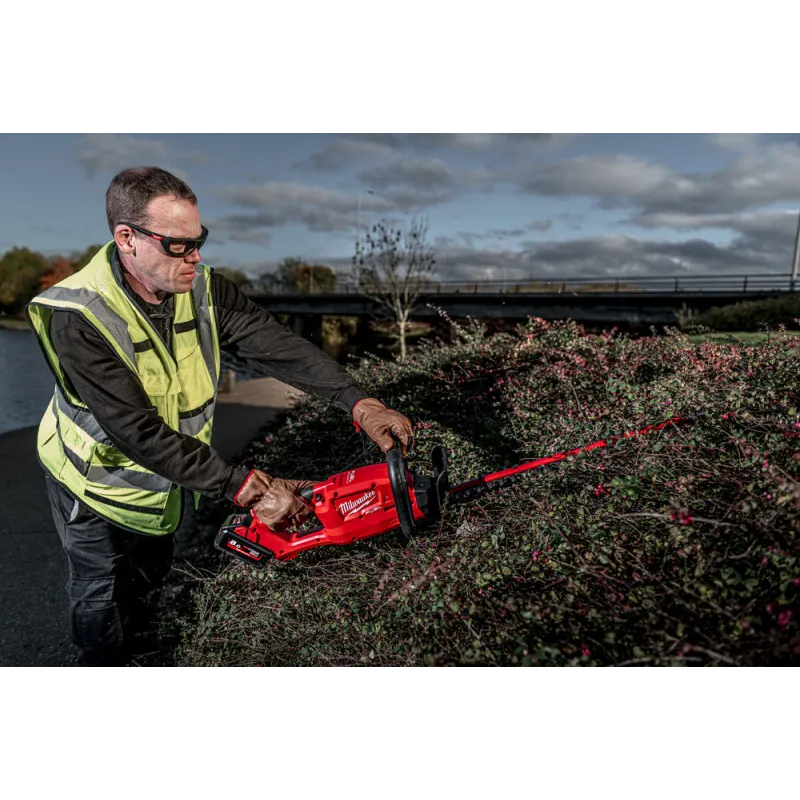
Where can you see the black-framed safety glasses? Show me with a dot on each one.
(177, 248)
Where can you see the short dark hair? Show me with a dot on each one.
(131, 190)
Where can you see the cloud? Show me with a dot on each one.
(374, 149)
(408, 174)
(406, 182)
(600, 258)
(273, 205)
(758, 175)
(109, 152)
(603, 176)
(413, 182)
(276, 194)
(611, 257)
(770, 174)
(470, 238)
(247, 234)
(112, 152)
(409, 199)
(623, 255)
(776, 224)
(343, 153)
(445, 242)
(470, 141)
(419, 173)
(454, 141)
(740, 142)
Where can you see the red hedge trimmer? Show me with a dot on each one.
(368, 501)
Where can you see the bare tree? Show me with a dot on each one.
(393, 269)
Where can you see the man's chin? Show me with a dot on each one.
(183, 284)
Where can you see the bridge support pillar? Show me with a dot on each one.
(308, 326)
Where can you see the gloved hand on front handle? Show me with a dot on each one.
(275, 501)
(379, 422)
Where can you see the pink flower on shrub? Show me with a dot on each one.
(585, 651)
(784, 617)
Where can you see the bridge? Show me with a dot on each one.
(599, 300)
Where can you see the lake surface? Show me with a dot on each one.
(26, 384)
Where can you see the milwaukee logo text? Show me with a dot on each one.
(352, 505)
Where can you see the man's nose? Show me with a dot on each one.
(194, 257)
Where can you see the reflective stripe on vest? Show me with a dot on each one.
(181, 383)
(108, 475)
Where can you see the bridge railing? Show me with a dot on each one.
(646, 283)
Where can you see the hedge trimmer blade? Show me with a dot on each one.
(502, 478)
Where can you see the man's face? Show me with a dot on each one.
(167, 216)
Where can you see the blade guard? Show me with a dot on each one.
(396, 465)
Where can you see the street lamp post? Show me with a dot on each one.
(796, 252)
(358, 239)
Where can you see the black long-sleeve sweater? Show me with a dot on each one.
(118, 401)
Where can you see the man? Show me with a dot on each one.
(133, 340)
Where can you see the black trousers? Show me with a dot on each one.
(112, 575)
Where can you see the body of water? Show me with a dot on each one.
(26, 384)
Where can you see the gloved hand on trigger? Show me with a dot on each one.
(379, 422)
(274, 501)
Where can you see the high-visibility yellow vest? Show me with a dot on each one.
(181, 383)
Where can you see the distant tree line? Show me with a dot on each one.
(296, 274)
(24, 273)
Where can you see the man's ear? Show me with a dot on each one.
(123, 237)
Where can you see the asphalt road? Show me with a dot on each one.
(33, 567)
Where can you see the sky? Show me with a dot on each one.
(497, 206)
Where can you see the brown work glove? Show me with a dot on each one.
(253, 489)
(281, 506)
(380, 422)
(274, 501)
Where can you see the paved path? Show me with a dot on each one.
(33, 570)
